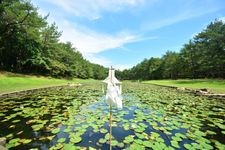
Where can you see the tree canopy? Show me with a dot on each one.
(28, 44)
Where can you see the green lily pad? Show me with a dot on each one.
(188, 146)
(101, 140)
(138, 141)
(148, 144)
(136, 146)
(114, 142)
(13, 143)
(175, 144)
(15, 121)
(103, 130)
(9, 136)
(128, 139)
(37, 127)
(121, 145)
(25, 141)
(55, 131)
(50, 137)
(76, 139)
(69, 147)
(2, 114)
(67, 130)
(61, 140)
(176, 138)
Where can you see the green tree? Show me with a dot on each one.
(211, 44)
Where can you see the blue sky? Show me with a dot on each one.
(122, 33)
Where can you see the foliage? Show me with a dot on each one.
(28, 44)
(201, 57)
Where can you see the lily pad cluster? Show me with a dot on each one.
(153, 117)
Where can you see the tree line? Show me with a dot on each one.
(202, 57)
(28, 44)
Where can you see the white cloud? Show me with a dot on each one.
(92, 9)
(89, 41)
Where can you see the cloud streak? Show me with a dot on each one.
(89, 41)
(92, 9)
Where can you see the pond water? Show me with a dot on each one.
(153, 117)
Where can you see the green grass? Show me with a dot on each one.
(10, 82)
(214, 85)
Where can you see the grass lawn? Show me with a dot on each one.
(214, 85)
(10, 82)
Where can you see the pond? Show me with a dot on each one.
(153, 117)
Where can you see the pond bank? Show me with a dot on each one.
(34, 90)
(216, 86)
(199, 92)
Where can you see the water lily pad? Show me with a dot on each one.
(175, 144)
(69, 147)
(148, 144)
(138, 141)
(114, 142)
(55, 131)
(129, 139)
(121, 145)
(103, 130)
(61, 140)
(67, 130)
(154, 135)
(136, 146)
(37, 127)
(176, 138)
(107, 136)
(2, 114)
(25, 141)
(50, 137)
(219, 145)
(57, 146)
(9, 136)
(101, 140)
(188, 146)
(75, 139)
(126, 127)
(13, 143)
(210, 132)
(15, 121)
(139, 130)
